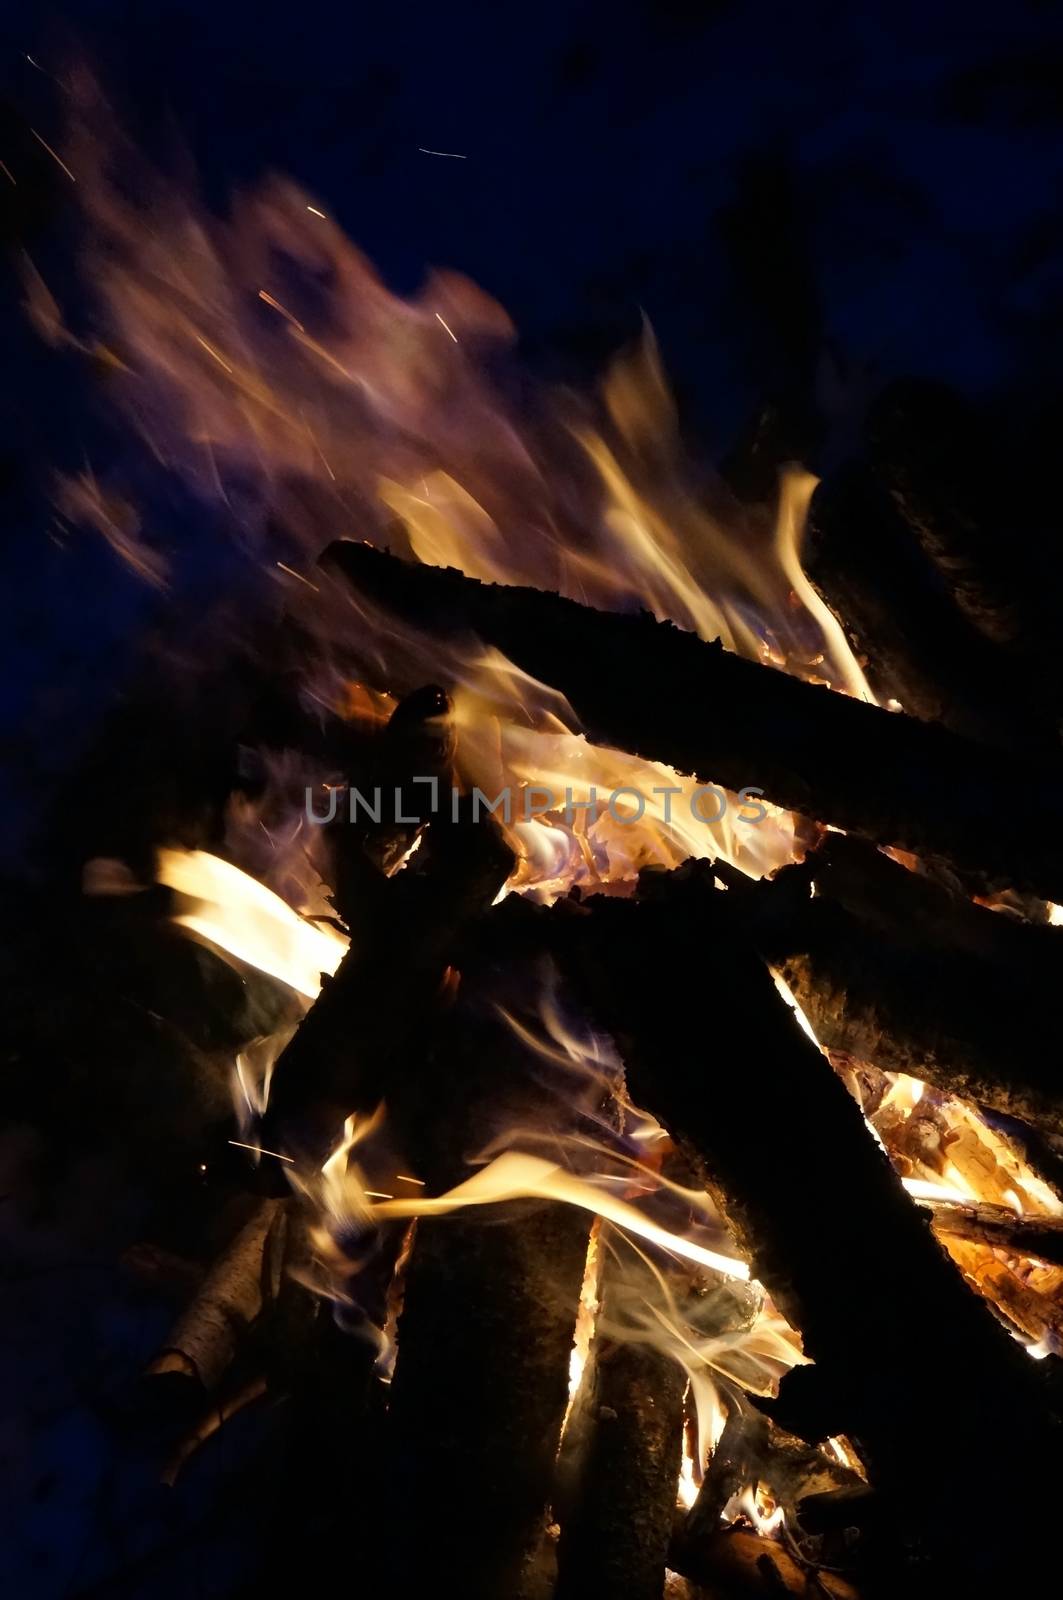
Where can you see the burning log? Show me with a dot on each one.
(887, 777)
(629, 1418)
(737, 1107)
(737, 1564)
(486, 1331)
(344, 1055)
(753, 1453)
(1028, 1300)
(895, 969)
(204, 1340)
(479, 1394)
(997, 1228)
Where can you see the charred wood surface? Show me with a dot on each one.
(614, 1538)
(712, 1050)
(1039, 1238)
(895, 969)
(479, 1393)
(640, 685)
(485, 1335)
(404, 928)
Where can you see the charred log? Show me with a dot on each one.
(615, 1533)
(486, 1329)
(405, 926)
(887, 777)
(997, 1228)
(893, 968)
(754, 1104)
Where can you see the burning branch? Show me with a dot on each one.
(628, 1425)
(842, 1250)
(893, 968)
(633, 682)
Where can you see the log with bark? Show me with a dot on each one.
(752, 1450)
(997, 1228)
(895, 969)
(636, 683)
(627, 1420)
(202, 1343)
(404, 926)
(716, 1055)
(485, 1335)
(737, 1564)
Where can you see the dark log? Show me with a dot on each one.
(717, 1056)
(618, 1523)
(486, 1331)
(732, 1466)
(831, 1510)
(916, 646)
(633, 682)
(895, 969)
(326, 1449)
(405, 928)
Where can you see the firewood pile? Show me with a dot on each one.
(724, 1269)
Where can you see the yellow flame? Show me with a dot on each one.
(516, 1175)
(241, 916)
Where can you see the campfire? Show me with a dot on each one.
(643, 1171)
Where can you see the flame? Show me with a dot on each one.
(975, 1165)
(260, 360)
(517, 1175)
(241, 916)
(262, 364)
(756, 1505)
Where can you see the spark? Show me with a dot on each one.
(450, 330)
(7, 172)
(212, 352)
(259, 1151)
(403, 1177)
(53, 155)
(377, 1194)
(451, 155)
(268, 298)
(316, 212)
(293, 574)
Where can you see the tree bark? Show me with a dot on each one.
(716, 1055)
(895, 969)
(615, 1534)
(636, 683)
